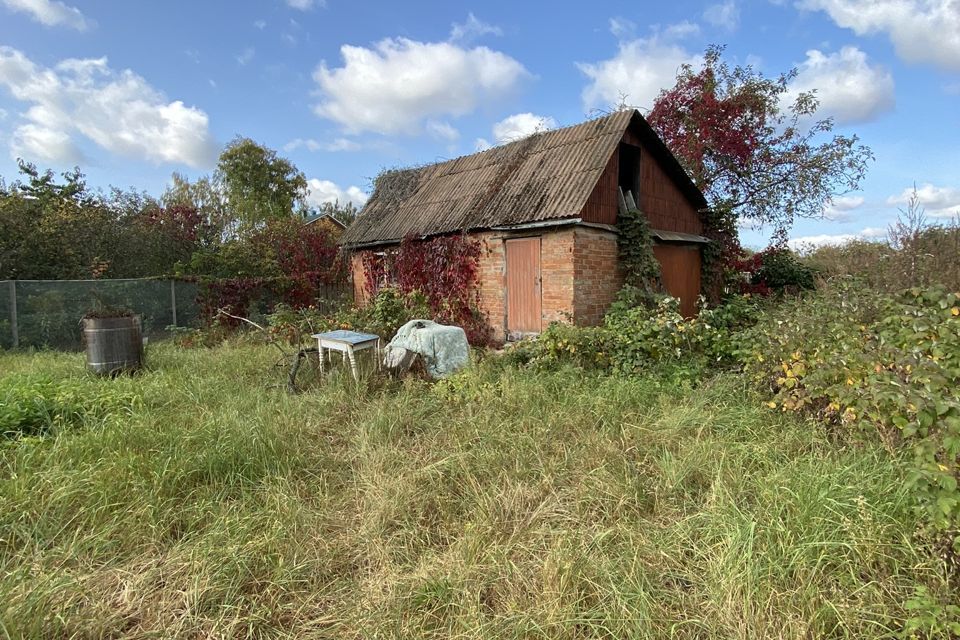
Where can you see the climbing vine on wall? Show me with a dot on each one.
(444, 270)
(719, 266)
(641, 267)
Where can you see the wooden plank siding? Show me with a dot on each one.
(680, 272)
(601, 206)
(666, 207)
(524, 313)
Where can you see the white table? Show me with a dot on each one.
(347, 343)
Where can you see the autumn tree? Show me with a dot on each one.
(755, 152)
(201, 195)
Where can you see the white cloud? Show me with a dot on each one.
(622, 28)
(482, 144)
(805, 244)
(246, 56)
(36, 142)
(442, 130)
(50, 13)
(839, 210)
(848, 87)
(521, 125)
(639, 71)
(920, 30)
(338, 144)
(939, 202)
(473, 29)
(725, 15)
(260, 24)
(322, 191)
(305, 5)
(395, 86)
(116, 110)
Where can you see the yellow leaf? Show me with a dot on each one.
(942, 467)
(955, 311)
(772, 405)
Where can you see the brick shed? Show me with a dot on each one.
(545, 210)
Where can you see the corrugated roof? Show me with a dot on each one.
(676, 236)
(547, 176)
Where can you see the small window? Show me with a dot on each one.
(629, 178)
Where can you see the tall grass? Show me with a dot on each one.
(499, 503)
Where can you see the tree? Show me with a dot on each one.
(258, 185)
(754, 155)
(201, 195)
(53, 229)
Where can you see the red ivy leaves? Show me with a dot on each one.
(298, 262)
(183, 223)
(443, 269)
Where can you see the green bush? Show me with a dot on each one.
(886, 366)
(634, 338)
(388, 311)
(36, 405)
(780, 269)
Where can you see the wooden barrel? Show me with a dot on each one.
(113, 344)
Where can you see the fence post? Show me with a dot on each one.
(173, 300)
(14, 329)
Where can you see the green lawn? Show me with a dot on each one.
(200, 500)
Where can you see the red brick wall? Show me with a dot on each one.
(579, 276)
(556, 271)
(491, 281)
(597, 274)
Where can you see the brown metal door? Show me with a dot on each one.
(523, 285)
(680, 267)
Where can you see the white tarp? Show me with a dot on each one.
(444, 349)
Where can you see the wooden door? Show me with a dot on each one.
(680, 267)
(523, 286)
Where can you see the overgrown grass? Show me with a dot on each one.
(499, 503)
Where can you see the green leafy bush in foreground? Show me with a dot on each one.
(635, 338)
(874, 364)
(38, 404)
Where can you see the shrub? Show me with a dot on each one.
(781, 269)
(915, 253)
(564, 344)
(881, 365)
(634, 338)
(441, 271)
(776, 268)
(36, 405)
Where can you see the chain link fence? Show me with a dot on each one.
(46, 313)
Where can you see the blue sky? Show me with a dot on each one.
(132, 91)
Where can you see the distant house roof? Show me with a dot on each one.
(325, 216)
(544, 177)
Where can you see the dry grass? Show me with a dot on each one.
(501, 503)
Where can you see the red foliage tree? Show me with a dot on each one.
(294, 263)
(749, 151)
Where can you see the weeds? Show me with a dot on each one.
(498, 503)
